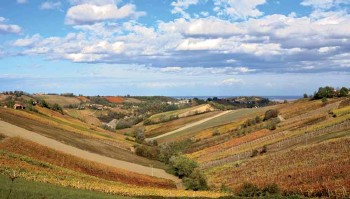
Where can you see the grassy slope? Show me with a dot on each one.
(214, 123)
(45, 154)
(158, 129)
(57, 99)
(181, 112)
(22, 188)
(76, 133)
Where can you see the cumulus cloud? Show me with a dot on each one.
(27, 41)
(51, 5)
(271, 43)
(91, 13)
(6, 28)
(181, 5)
(239, 9)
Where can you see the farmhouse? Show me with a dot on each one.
(18, 106)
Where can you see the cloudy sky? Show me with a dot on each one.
(174, 47)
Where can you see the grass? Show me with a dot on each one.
(57, 99)
(181, 112)
(342, 111)
(222, 120)
(158, 129)
(24, 189)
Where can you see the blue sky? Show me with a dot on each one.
(174, 47)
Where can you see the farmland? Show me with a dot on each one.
(75, 133)
(27, 168)
(214, 123)
(308, 170)
(57, 99)
(231, 149)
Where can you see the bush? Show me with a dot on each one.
(270, 114)
(249, 190)
(254, 153)
(196, 181)
(343, 92)
(182, 166)
(139, 136)
(271, 189)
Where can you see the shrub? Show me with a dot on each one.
(216, 132)
(182, 166)
(196, 181)
(270, 114)
(254, 153)
(271, 189)
(249, 190)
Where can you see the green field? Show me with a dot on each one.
(23, 189)
(224, 119)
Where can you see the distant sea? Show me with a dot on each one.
(272, 98)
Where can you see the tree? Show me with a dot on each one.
(325, 92)
(139, 136)
(182, 166)
(196, 181)
(305, 95)
(343, 92)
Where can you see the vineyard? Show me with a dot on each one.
(70, 174)
(41, 153)
(314, 170)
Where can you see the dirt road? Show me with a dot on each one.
(189, 126)
(14, 131)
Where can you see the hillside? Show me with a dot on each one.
(296, 148)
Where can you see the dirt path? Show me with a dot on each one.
(15, 131)
(189, 125)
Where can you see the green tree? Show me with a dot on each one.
(196, 181)
(182, 166)
(343, 92)
(305, 95)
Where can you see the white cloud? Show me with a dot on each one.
(8, 28)
(27, 41)
(229, 82)
(239, 9)
(200, 44)
(171, 69)
(89, 13)
(181, 5)
(50, 5)
(94, 2)
(22, 1)
(324, 4)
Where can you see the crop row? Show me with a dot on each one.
(320, 169)
(283, 143)
(31, 169)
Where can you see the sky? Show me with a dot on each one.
(174, 47)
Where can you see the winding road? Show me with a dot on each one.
(14, 131)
